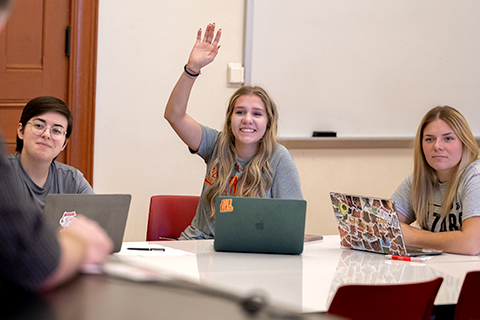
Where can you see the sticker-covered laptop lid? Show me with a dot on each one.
(368, 223)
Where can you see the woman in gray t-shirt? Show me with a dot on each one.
(243, 159)
(443, 193)
(42, 133)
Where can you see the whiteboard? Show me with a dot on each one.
(364, 68)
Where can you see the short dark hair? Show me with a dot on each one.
(42, 105)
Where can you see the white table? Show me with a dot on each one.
(306, 282)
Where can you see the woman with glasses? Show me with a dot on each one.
(244, 159)
(43, 132)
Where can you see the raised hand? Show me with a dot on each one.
(205, 50)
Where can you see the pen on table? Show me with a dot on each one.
(401, 258)
(147, 249)
(167, 238)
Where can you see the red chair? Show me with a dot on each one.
(397, 301)
(169, 215)
(467, 305)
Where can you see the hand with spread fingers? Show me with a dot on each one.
(205, 50)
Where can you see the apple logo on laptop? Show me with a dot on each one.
(259, 225)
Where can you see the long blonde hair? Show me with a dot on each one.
(258, 175)
(425, 178)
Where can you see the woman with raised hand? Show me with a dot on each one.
(244, 159)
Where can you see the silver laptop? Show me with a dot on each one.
(261, 225)
(371, 224)
(109, 210)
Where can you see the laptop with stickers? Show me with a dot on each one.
(259, 225)
(109, 210)
(371, 224)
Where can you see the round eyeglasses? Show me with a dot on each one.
(39, 127)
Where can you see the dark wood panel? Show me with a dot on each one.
(82, 82)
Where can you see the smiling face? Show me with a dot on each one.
(248, 122)
(42, 148)
(442, 148)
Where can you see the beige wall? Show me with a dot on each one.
(142, 48)
(375, 172)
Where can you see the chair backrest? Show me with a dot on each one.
(169, 215)
(396, 301)
(467, 304)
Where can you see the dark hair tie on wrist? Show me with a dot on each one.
(190, 71)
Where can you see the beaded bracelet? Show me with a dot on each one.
(190, 71)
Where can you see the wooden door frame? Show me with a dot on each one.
(81, 92)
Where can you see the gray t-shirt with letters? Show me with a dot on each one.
(466, 203)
